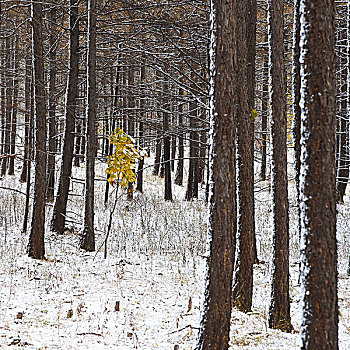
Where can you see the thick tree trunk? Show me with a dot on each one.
(88, 239)
(279, 311)
(243, 281)
(36, 246)
(60, 206)
(216, 312)
(319, 327)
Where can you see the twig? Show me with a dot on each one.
(181, 329)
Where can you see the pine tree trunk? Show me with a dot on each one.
(319, 327)
(60, 206)
(180, 164)
(88, 239)
(216, 311)
(243, 281)
(36, 246)
(52, 108)
(279, 311)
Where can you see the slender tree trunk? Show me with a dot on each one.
(181, 149)
(8, 92)
(279, 311)
(29, 150)
(166, 143)
(52, 107)
(131, 118)
(139, 185)
(216, 312)
(36, 246)
(60, 206)
(27, 99)
(243, 281)
(319, 326)
(88, 240)
(14, 108)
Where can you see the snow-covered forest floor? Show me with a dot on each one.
(147, 293)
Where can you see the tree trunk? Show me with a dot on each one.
(216, 312)
(8, 92)
(180, 164)
(319, 327)
(279, 311)
(14, 108)
(27, 120)
(60, 206)
(36, 246)
(88, 239)
(52, 108)
(139, 185)
(243, 281)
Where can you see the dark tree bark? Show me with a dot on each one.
(36, 246)
(319, 328)
(60, 206)
(168, 196)
(52, 108)
(181, 149)
(29, 145)
(8, 92)
(88, 239)
(113, 124)
(131, 119)
(27, 116)
(279, 311)
(15, 87)
(243, 281)
(216, 312)
(139, 185)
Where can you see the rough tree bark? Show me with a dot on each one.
(88, 239)
(279, 310)
(216, 312)
(319, 326)
(36, 246)
(60, 206)
(243, 279)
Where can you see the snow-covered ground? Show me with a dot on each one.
(147, 293)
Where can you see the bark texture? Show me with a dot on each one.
(60, 206)
(319, 328)
(279, 310)
(36, 246)
(88, 240)
(216, 312)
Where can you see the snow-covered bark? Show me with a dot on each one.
(319, 324)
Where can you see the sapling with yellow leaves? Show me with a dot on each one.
(121, 164)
